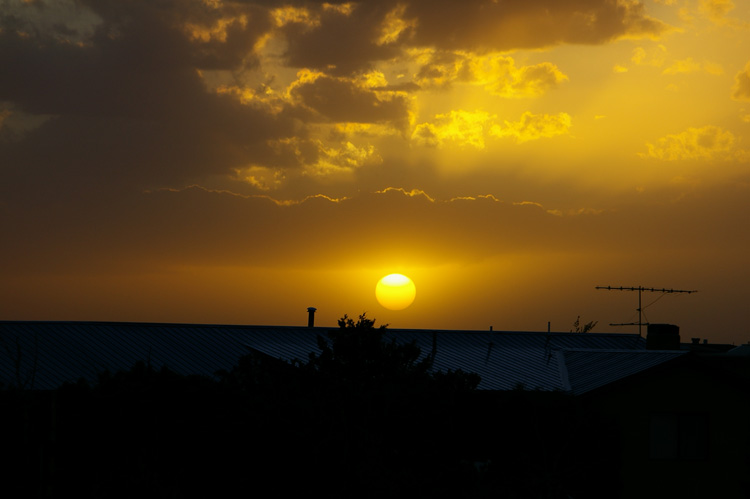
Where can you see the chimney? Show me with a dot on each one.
(311, 316)
(663, 337)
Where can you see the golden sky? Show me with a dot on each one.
(236, 162)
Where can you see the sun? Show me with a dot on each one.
(395, 291)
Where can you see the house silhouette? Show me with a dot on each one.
(676, 413)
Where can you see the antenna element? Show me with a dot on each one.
(640, 309)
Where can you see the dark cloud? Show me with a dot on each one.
(195, 227)
(191, 227)
(514, 24)
(340, 43)
(141, 60)
(346, 43)
(128, 106)
(339, 99)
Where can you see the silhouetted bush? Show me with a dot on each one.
(365, 417)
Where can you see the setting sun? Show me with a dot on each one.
(395, 291)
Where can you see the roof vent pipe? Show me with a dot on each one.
(311, 316)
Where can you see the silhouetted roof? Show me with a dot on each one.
(506, 360)
(589, 369)
(742, 350)
(43, 355)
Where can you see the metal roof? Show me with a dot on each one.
(589, 369)
(43, 355)
(742, 351)
(510, 359)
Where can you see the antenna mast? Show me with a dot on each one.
(640, 289)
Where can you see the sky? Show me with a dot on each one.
(235, 162)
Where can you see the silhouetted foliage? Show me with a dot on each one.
(357, 354)
(363, 417)
(583, 328)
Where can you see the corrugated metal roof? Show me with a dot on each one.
(742, 350)
(508, 359)
(43, 355)
(588, 369)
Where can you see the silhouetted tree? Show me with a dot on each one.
(583, 328)
(390, 420)
(364, 416)
(358, 355)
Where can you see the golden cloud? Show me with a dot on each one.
(498, 74)
(289, 14)
(439, 68)
(412, 193)
(261, 177)
(689, 65)
(394, 25)
(218, 30)
(463, 128)
(265, 98)
(342, 159)
(345, 9)
(533, 127)
(705, 143)
(347, 129)
(654, 56)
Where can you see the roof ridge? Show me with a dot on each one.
(619, 350)
(158, 324)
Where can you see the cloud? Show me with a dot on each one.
(657, 56)
(718, 12)
(380, 31)
(261, 177)
(469, 128)
(342, 41)
(654, 56)
(705, 143)
(689, 65)
(463, 128)
(342, 99)
(343, 159)
(533, 127)
(741, 89)
(497, 73)
(127, 107)
(173, 229)
(125, 94)
(500, 77)
(716, 9)
(394, 25)
(515, 24)
(440, 68)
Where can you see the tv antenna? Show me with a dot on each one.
(640, 289)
